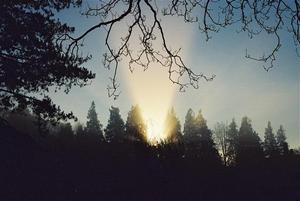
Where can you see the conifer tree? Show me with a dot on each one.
(282, 145)
(135, 126)
(199, 141)
(207, 144)
(249, 144)
(115, 128)
(172, 127)
(232, 136)
(188, 129)
(33, 59)
(270, 147)
(93, 126)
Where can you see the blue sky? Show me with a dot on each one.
(241, 87)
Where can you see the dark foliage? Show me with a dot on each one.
(270, 146)
(115, 129)
(249, 145)
(282, 145)
(135, 126)
(198, 139)
(93, 127)
(172, 127)
(66, 165)
(132, 170)
(31, 60)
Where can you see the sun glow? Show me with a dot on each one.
(154, 93)
(155, 129)
(152, 90)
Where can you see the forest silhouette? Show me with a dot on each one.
(42, 161)
(43, 157)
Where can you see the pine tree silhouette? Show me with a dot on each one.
(172, 127)
(115, 129)
(93, 127)
(270, 146)
(135, 126)
(282, 145)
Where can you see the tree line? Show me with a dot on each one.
(225, 143)
(41, 161)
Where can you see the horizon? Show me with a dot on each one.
(182, 120)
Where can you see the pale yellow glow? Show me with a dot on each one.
(151, 89)
(154, 93)
(155, 129)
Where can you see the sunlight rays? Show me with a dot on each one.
(151, 88)
(154, 94)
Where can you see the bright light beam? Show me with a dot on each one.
(154, 93)
(151, 89)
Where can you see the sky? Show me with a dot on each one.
(241, 87)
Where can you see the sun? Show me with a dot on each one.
(154, 94)
(155, 130)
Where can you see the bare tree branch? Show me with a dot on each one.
(143, 16)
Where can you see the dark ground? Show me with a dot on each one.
(36, 172)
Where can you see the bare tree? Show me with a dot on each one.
(144, 17)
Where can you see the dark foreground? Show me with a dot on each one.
(133, 171)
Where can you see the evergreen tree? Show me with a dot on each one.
(32, 60)
(232, 137)
(93, 126)
(115, 129)
(198, 139)
(172, 127)
(282, 145)
(270, 146)
(249, 144)
(204, 134)
(190, 139)
(188, 129)
(135, 126)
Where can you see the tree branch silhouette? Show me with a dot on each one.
(32, 61)
(253, 17)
